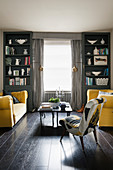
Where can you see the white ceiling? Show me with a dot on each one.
(56, 15)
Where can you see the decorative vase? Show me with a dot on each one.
(89, 61)
(9, 72)
(102, 41)
(95, 51)
(25, 51)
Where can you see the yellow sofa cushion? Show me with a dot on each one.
(19, 108)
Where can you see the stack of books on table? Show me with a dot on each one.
(45, 107)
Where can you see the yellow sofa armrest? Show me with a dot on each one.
(21, 96)
(6, 102)
(6, 111)
(1, 93)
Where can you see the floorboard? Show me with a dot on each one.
(30, 146)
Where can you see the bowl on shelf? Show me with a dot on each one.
(21, 41)
(92, 41)
(96, 73)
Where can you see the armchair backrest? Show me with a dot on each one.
(93, 93)
(91, 115)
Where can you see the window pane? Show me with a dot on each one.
(57, 65)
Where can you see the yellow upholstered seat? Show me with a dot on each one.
(106, 118)
(11, 113)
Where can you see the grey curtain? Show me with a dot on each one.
(38, 85)
(76, 93)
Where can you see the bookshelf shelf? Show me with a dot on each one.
(19, 66)
(9, 55)
(18, 73)
(96, 58)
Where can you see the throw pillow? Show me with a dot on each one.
(15, 100)
(104, 93)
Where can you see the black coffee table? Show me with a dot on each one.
(58, 110)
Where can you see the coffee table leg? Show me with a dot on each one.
(57, 119)
(40, 118)
(68, 113)
(53, 119)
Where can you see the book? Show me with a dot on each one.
(29, 60)
(28, 71)
(17, 81)
(7, 50)
(25, 60)
(45, 108)
(21, 81)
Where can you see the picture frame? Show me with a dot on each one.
(16, 72)
(100, 60)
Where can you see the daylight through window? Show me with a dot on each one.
(57, 65)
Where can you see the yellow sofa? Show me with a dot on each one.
(106, 118)
(11, 113)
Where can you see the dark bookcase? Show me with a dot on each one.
(18, 63)
(96, 61)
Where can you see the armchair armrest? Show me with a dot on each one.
(21, 96)
(6, 111)
(1, 93)
(6, 102)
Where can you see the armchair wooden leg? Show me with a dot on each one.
(63, 134)
(94, 132)
(82, 143)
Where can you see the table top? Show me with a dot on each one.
(52, 109)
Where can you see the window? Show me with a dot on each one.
(57, 65)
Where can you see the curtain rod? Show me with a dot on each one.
(68, 36)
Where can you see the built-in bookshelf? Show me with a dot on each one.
(18, 63)
(96, 61)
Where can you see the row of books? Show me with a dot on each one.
(27, 60)
(88, 81)
(102, 51)
(17, 81)
(106, 72)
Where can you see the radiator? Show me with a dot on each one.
(66, 97)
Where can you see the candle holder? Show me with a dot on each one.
(60, 94)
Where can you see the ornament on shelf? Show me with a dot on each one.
(12, 51)
(95, 51)
(17, 61)
(10, 41)
(89, 61)
(102, 41)
(25, 51)
(22, 72)
(9, 72)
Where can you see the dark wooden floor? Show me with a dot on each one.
(28, 146)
